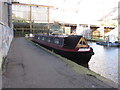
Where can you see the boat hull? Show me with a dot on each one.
(81, 58)
(78, 57)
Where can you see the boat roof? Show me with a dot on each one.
(60, 36)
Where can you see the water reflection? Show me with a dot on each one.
(105, 61)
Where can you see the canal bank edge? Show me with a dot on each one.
(78, 68)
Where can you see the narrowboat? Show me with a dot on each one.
(73, 47)
(111, 44)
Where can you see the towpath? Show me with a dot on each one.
(29, 66)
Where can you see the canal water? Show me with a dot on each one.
(105, 61)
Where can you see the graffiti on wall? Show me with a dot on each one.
(6, 36)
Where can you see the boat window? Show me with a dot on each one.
(51, 40)
(56, 41)
(38, 38)
(43, 38)
(60, 41)
(48, 39)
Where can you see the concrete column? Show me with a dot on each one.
(48, 20)
(10, 15)
(0, 11)
(31, 19)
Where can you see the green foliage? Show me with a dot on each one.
(96, 40)
(112, 24)
(21, 21)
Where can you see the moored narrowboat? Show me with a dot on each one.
(73, 47)
(111, 44)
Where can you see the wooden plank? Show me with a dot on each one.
(31, 5)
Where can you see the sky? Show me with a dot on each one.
(87, 10)
(76, 4)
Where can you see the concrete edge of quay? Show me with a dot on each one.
(78, 68)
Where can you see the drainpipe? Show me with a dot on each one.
(31, 31)
(48, 21)
(9, 6)
(10, 15)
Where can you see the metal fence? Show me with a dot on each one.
(37, 18)
(30, 18)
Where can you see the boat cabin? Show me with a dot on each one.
(65, 41)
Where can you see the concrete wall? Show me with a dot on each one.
(3, 13)
(6, 32)
(6, 12)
